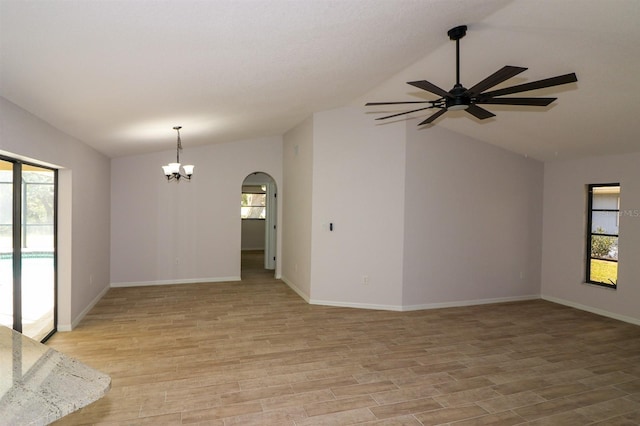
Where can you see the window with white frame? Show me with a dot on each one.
(254, 202)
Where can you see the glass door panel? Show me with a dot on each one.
(38, 251)
(27, 248)
(6, 243)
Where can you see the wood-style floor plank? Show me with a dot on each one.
(254, 353)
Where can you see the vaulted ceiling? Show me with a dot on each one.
(120, 74)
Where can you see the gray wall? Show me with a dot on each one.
(188, 232)
(564, 245)
(473, 221)
(422, 217)
(252, 234)
(83, 206)
(296, 207)
(358, 184)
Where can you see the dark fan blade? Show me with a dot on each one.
(479, 113)
(403, 113)
(396, 103)
(496, 78)
(432, 117)
(430, 87)
(517, 101)
(540, 84)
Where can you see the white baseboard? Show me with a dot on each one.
(593, 310)
(355, 305)
(170, 282)
(340, 304)
(295, 288)
(403, 308)
(460, 303)
(85, 311)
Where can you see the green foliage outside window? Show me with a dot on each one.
(601, 244)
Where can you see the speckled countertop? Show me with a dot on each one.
(39, 385)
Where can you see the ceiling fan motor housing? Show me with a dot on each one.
(460, 100)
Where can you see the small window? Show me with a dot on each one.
(254, 201)
(602, 234)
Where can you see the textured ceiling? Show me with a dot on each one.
(119, 75)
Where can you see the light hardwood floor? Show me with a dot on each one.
(254, 353)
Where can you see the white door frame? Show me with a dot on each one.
(271, 215)
(270, 228)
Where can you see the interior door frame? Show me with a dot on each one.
(271, 216)
(270, 226)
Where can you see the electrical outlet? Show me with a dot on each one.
(365, 280)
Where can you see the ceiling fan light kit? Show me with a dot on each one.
(459, 98)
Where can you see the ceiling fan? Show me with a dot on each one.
(461, 98)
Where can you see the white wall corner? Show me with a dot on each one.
(85, 311)
(295, 288)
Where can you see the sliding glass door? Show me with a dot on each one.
(6, 243)
(27, 248)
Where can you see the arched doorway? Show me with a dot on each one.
(259, 218)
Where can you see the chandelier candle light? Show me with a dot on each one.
(172, 170)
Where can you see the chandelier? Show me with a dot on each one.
(172, 170)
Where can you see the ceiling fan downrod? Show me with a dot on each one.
(456, 34)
